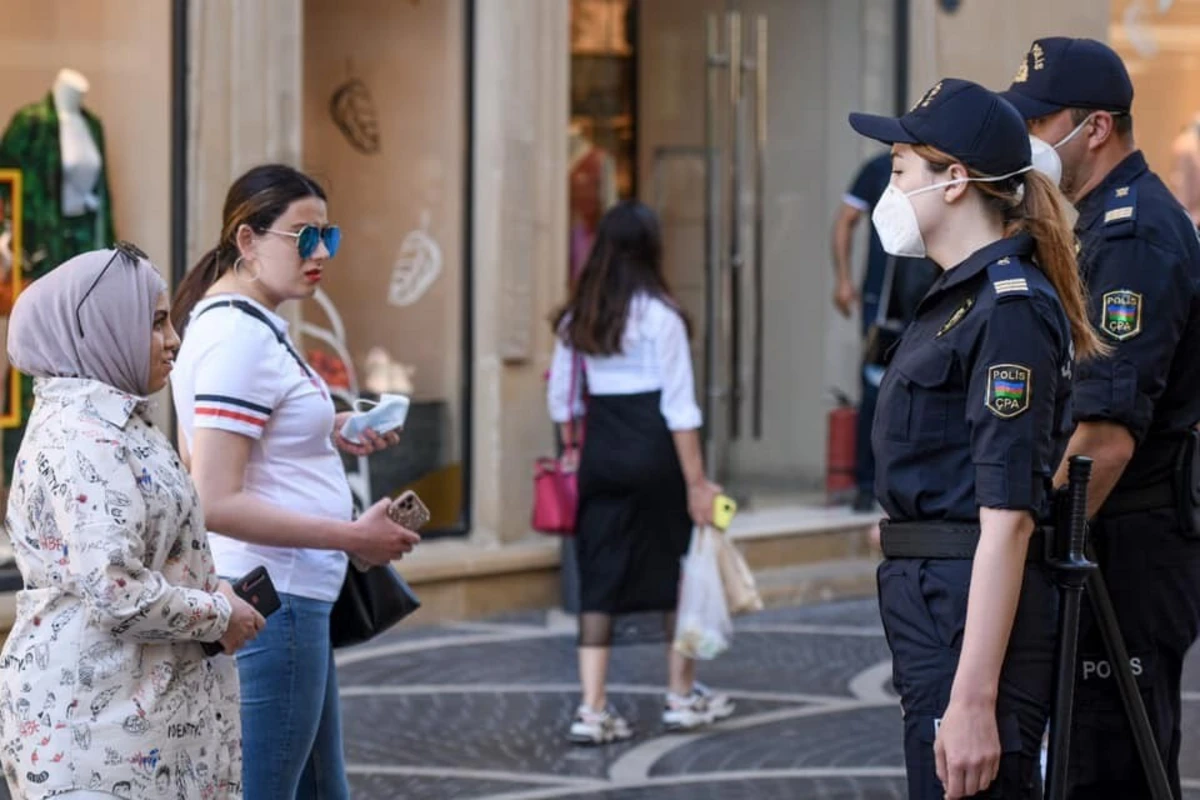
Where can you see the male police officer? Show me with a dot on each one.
(1135, 409)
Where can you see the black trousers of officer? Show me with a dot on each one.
(1153, 577)
(923, 603)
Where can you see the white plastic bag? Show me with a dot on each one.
(703, 629)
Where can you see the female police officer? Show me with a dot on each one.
(972, 420)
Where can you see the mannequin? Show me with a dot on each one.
(80, 156)
(58, 145)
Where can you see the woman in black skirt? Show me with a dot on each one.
(641, 474)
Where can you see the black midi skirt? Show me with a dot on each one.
(633, 525)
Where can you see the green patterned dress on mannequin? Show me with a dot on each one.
(31, 143)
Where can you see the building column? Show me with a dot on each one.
(522, 74)
(245, 82)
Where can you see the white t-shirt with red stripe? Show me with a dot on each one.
(232, 374)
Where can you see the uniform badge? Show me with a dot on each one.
(1121, 314)
(1009, 388)
(957, 316)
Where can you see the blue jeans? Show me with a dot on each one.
(291, 720)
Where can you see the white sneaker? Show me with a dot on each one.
(702, 707)
(598, 727)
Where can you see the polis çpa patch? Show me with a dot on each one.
(1009, 389)
(1121, 314)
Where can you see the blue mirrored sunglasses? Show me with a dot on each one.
(310, 236)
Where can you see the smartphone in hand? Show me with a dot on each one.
(724, 509)
(256, 588)
(408, 511)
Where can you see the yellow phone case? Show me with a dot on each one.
(723, 510)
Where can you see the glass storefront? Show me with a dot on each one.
(385, 130)
(1162, 51)
(85, 152)
(602, 145)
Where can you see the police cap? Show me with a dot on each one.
(1059, 72)
(963, 120)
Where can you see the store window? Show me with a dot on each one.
(602, 138)
(385, 130)
(85, 151)
(1160, 43)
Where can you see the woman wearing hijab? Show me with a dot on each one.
(103, 680)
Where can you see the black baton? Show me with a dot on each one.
(1073, 567)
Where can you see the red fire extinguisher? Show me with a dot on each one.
(840, 449)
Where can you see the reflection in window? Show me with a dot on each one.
(601, 136)
(384, 130)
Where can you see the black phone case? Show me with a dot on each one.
(256, 588)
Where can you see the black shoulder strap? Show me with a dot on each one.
(247, 308)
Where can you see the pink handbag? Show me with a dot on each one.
(555, 498)
(555, 489)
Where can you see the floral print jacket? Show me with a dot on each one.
(103, 682)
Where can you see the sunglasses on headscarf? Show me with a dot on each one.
(308, 237)
(131, 253)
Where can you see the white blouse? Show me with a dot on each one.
(654, 357)
(103, 683)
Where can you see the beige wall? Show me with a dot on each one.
(410, 59)
(984, 41)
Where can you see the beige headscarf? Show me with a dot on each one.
(116, 318)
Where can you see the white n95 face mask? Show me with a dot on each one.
(1046, 160)
(895, 219)
(1045, 155)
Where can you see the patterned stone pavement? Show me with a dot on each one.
(479, 710)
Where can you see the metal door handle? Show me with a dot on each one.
(737, 69)
(760, 155)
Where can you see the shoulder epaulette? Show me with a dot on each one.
(1120, 212)
(1008, 278)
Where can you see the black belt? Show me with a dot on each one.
(943, 540)
(1147, 498)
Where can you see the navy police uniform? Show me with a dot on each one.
(973, 411)
(1140, 258)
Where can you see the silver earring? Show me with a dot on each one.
(238, 272)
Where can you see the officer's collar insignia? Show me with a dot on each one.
(1121, 314)
(1009, 390)
(957, 316)
(1122, 192)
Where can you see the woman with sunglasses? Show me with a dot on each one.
(259, 431)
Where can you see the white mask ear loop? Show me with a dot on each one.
(957, 181)
(1074, 133)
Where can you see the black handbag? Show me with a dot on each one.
(370, 602)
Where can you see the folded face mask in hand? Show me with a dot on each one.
(384, 416)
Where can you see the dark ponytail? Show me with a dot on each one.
(626, 260)
(257, 198)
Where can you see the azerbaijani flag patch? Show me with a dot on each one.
(1121, 314)
(1009, 389)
